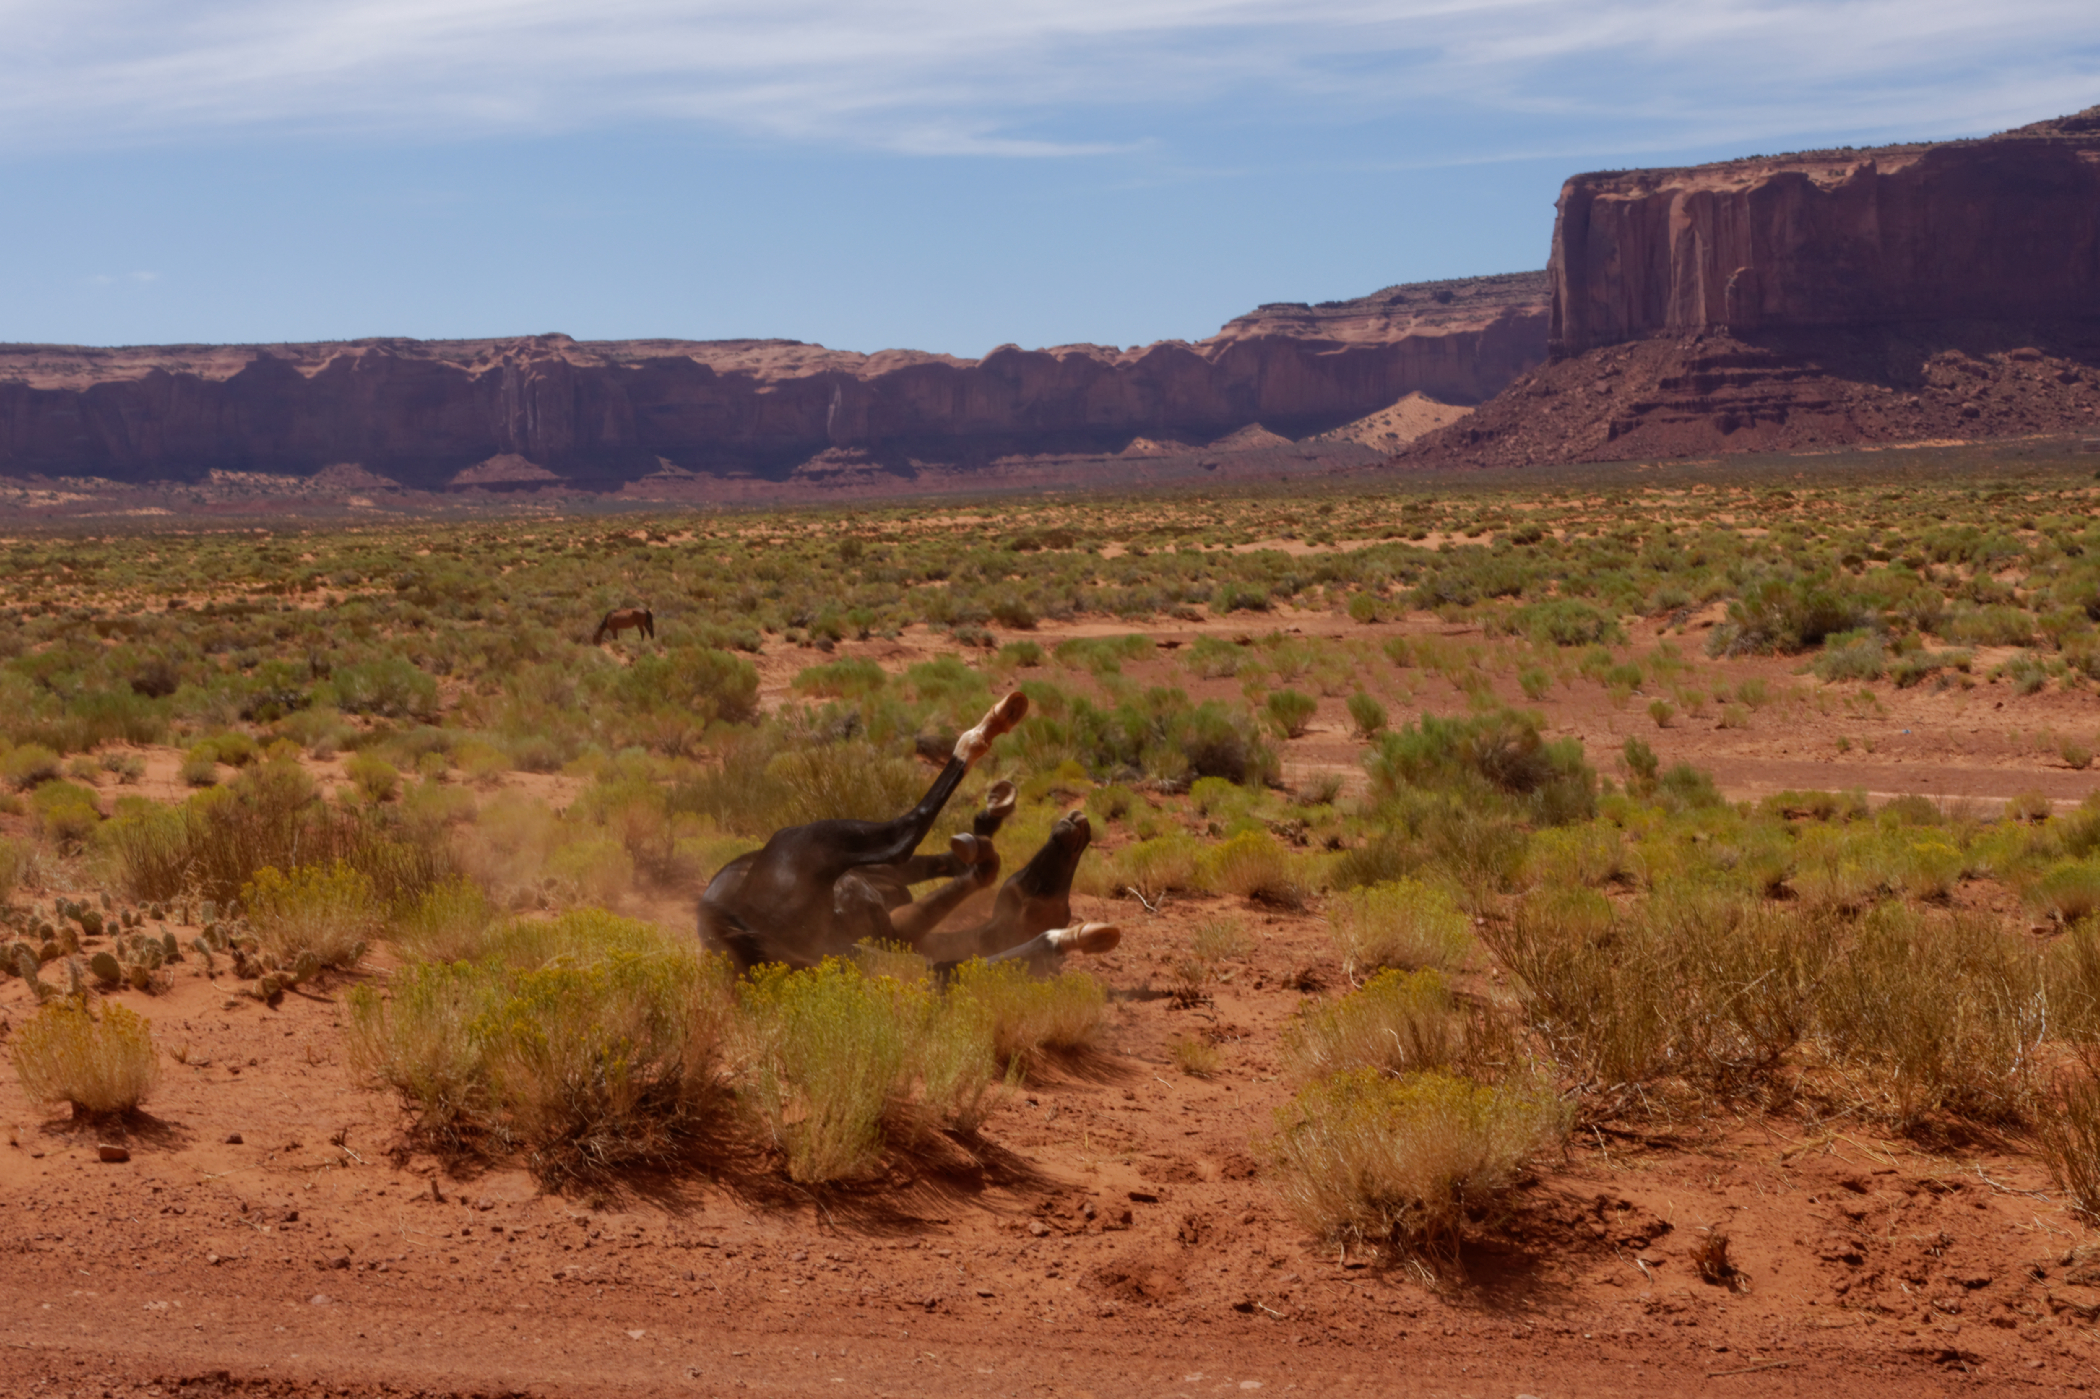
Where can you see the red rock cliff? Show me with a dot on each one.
(2004, 230)
(421, 411)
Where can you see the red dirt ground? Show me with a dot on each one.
(1115, 1234)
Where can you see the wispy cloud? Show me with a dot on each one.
(1022, 77)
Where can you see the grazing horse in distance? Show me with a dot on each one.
(816, 891)
(621, 619)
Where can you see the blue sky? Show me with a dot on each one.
(933, 174)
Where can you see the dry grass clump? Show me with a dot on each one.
(2070, 1142)
(447, 924)
(1365, 1157)
(827, 1053)
(586, 1042)
(1945, 1009)
(1256, 865)
(1401, 923)
(1029, 1015)
(1151, 869)
(1195, 1056)
(2070, 890)
(102, 1063)
(1396, 1022)
(12, 862)
(331, 914)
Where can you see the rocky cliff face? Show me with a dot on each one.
(1909, 293)
(423, 412)
(2004, 229)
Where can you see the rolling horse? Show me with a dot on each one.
(816, 891)
(621, 619)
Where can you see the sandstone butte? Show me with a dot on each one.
(522, 411)
(1918, 292)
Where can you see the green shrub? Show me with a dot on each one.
(1501, 753)
(99, 1062)
(376, 779)
(1371, 1159)
(1019, 655)
(67, 813)
(1255, 865)
(1786, 616)
(2069, 889)
(200, 767)
(1366, 715)
(388, 685)
(1851, 656)
(1214, 658)
(1403, 923)
(1289, 712)
(29, 765)
(331, 913)
(1567, 622)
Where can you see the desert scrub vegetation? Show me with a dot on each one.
(581, 1043)
(1403, 923)
(588, 1042)
(313, 916)
(95, 1058)
(482, 629)
(1369, 1158)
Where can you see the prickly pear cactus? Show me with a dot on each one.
(158, 913)
(203, 949)
(138, 976)
(49, 952)
(306, 968)
(26, 968)
(210, 912)
(168, 947)
(105, 968)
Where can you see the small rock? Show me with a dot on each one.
(113, 1153)
(1038, 1228)
(233, 1139)
(212, 1258)
(636, 1335)
(319, 1299)
(986, 1292)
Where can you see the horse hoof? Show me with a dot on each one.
(972, 850)
(999, 799)
(1009, 711)
(1094, 938)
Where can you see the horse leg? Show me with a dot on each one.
(852, 843)
(1045, 953)
(915, 921)
(1035, 900)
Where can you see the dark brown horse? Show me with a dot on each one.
(816, 891)
(621, 619)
